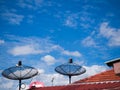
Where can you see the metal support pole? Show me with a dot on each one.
(69, 79)
(20, 84)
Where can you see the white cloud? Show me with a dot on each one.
(48, 59)
(5, 84)
(66, 52)
(71, 20)
(89, 41)
(40, 71)
(24, 50)
(74, 53)
(94, 69)
(2, 41)
(27, 46)
(13, 18)
(56, 47)
(112, 34)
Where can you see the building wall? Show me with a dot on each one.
(117, 68)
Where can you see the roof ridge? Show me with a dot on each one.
(102, 82)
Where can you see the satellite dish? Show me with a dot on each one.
(20, 72)
(70, 69)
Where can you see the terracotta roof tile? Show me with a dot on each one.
(108, 75)
(98, 86)
(106, 80)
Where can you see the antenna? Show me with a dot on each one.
(52, 80)
(20, 72)
(70, 69)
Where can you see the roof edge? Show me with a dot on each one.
(110, 63)
(102, 82)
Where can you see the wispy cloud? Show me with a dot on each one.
(28, 46)
(89, 41)
(71, 20)
(110, 33)
(79, 19)
(2, 42)
(66, 52)
(12, 17)
(32, 4)
(82, 18)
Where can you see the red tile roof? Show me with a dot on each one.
(106, 80)
(108, 75)
(92, 86)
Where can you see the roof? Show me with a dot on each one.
(110, 63)
(108, 75)
(106, 80)
(90, 86)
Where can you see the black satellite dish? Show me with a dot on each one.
(19, 72)
(70, 69)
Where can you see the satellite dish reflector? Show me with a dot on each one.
(36, 84)
(70, 69)
(20, 72)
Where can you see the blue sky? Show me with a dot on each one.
(46, 33)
